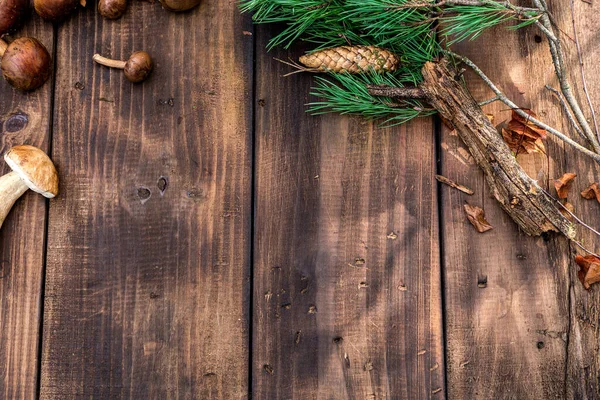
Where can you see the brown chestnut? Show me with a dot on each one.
(12, 14)
(179, 5)
(112, 9)
(26, 64)
(136, 69)
(56, 10)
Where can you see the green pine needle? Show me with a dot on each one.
(409, 28)
(469, 22)
(349, 95)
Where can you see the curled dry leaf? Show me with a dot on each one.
(522, 144)
(591, 192)
(563, 184)
(522, 136)
(476, 217)
(525, 126)
(589, 270)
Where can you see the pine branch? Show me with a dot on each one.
(407, 27)
(348, 94)
(396, 92)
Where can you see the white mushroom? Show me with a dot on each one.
(31, 169)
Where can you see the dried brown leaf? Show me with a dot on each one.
(591, 192)
(476, 217)
(521, 129)
(526, 126)
(563, 185)
(521, 144)
(589, 272)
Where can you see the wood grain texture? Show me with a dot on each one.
(24, 119)
(507, 311)
(149, 244)
(347, 280)
(583, 364)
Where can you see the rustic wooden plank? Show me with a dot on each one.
(347, 294)
(583, 365)
(506, 293)
(24, 119)
(149, 244)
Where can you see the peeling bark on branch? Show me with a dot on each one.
(519, 195)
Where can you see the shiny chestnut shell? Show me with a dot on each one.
(112, 9)
(26, 64)
(55, 10)
(12, 14)
(138, 67)
(179, 5)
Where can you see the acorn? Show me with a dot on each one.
(56, 10)
(12, 14)
(26, 64)
(179, 5)
(137, 68)
(112, 9)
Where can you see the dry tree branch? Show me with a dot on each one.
(559, 67)
(567, 111)
(579, 55)
(519, 111)
(489, 101)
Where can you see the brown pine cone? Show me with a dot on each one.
(352, 59)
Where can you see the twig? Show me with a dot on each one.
(579, 55)
(457, 186)
(582, 247)
(567, 111)
(559, 67)
(518, 110)
(471, 3)
(571, 213)
(488, 101)
(579, 244)
(396, 92)
(546, 31)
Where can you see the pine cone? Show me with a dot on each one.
(352, 59)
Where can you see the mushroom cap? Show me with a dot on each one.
(55, 10)
(179, 5)
(35, 168)
(26, 64)
(138, 67)
(13, 14)
(111, 9)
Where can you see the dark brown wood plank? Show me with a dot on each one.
(347, 294)
(24, 119)
(149, 244)
(507, 312)
(583, 364)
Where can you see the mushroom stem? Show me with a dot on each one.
(11, 188)
(3, 47)
(108, 62)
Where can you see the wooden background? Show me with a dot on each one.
(212, 240)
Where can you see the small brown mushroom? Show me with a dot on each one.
(112, 9)
(12, 14)
(56, 10)
(26, 64)
(179, 5)
(31, 169)
(136, 69)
